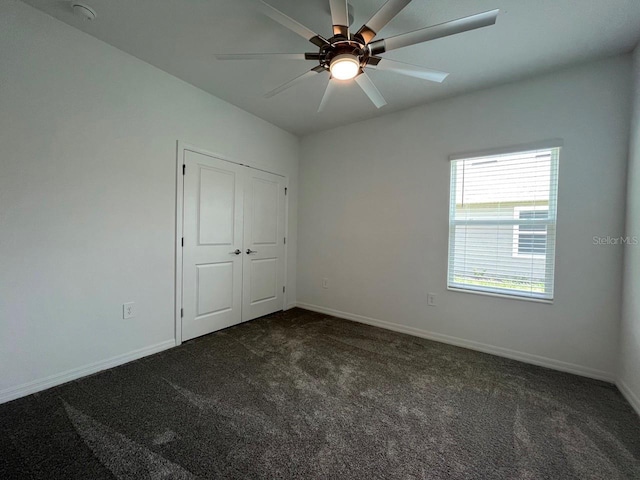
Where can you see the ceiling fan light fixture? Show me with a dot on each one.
(344, 67)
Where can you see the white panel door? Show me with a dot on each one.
(213, 238)
(264, 231)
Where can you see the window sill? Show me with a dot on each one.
(501, 295)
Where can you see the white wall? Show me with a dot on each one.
(87, 196)
(373, 217)
(629, 373)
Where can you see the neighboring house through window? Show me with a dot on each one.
(530, 239)
(502, 222)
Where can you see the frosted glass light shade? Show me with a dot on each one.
(344, 67)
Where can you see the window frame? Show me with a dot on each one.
(554, 147)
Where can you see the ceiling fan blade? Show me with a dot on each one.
(340, 17)
(408, 69)
(293, 25)
(296, 80)
(263, 56)
(370, 89)
(383, 16)
(436, 31)
(331, 86)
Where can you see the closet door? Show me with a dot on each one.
(213, 239)
(264, 231)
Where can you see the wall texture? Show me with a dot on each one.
(629, 374)
(87, 197)
(373, 217)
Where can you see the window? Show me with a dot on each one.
(502, 222)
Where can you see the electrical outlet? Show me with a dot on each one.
(128, 310)
(325, 283)
(431, 299)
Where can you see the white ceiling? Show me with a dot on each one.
(182, 36)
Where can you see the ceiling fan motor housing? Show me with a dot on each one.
(340, 46)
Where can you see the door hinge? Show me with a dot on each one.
(184, 168)
(283, 289)
(285, 240)
(183, 241)
(181, 313)
(285, 190)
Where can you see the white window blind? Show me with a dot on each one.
(502, 223)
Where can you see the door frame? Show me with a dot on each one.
(181, 148)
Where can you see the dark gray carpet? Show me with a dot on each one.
(304, 395)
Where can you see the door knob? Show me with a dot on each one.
(237, 252)
(249, 251)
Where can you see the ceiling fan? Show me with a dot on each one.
(346, 55)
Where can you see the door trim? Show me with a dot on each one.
(181, 148)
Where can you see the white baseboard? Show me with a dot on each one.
(59, 378)
(470, 344)
(290, 306)
(631, 397)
